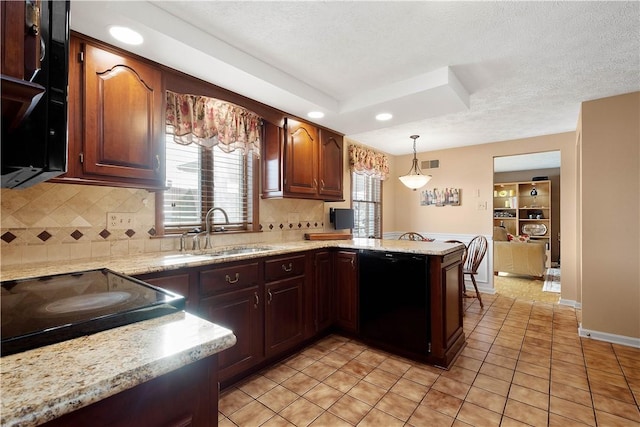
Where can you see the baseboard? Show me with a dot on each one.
(570, 303)
(612, 338)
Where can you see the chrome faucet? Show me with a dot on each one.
(207, 221)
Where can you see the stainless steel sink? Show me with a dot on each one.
(239, 251)
(186, 257)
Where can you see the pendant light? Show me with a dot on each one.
(415, 179)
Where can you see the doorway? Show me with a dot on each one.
(522, 207)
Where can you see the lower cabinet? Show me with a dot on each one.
(185, 397)
(283, 322)
(323, 292)
(241, 311)
(180, 283)
(345, 265)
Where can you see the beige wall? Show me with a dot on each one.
(610, 213)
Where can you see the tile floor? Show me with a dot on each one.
(524, 364)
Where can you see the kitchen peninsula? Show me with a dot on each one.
(142, 351)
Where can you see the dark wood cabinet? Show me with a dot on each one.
(241, 311)
(346, 286)
(323, 291)
(115, 117)
(232, 296)
(284, 302)
(302, 160)
(185, 397)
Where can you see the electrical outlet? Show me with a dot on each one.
(482, 206)
(120, 220)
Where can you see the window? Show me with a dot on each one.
(199, 178)
(366, 200)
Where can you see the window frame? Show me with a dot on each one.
(380, 182)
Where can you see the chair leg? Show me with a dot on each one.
(473, 279)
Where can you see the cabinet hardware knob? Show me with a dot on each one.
(232, 281)
(287, 269)
(270, 296)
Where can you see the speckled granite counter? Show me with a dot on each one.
(42, 384)
(165, 261)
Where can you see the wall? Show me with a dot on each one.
(65, 222)
(554, 177)
(610, 215)
(471, 169)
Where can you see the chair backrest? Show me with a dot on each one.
(464, 255)
(411, 235)
(476, 251)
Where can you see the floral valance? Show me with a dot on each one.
(209, 121)
(369, 162)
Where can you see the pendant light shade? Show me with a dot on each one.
(415, 179)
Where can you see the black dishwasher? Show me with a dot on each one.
(394, 300)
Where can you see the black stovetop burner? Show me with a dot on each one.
(46, 310)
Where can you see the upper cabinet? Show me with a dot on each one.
(115, 117)
(302, 161)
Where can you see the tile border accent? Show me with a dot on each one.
(611, 338)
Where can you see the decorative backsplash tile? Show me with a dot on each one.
(58, 222)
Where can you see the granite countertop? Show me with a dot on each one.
(42, 384)
(166, 261)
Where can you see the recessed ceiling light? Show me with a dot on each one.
(315, 114)
(384, 116)
(125, 35)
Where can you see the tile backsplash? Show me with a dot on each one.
(64, 222)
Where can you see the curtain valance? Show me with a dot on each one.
(209, 121)
(369, 162)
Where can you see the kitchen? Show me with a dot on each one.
(288, 213)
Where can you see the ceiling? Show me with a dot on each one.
(456, 73)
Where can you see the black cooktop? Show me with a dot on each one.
(49, 309)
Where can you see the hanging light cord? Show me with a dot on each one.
(414, 166)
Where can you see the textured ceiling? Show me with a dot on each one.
(523, 67)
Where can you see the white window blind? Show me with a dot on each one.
(200, 178)
(366, 200)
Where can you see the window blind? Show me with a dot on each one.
(366, 196)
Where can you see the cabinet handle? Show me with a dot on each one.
(322, 184)
(315, 183)
(270, 296)
(255, 295)
(157, 169)
(287, 269)
(232, 281)
(353, 264)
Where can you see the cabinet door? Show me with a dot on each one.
(122, 109)
(330, 171)
(240, 311)
(301, 154)
(283, 315)
(346, 282)
(178, 283)
(272, 157)
(323, 291)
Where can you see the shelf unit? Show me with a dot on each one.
(524, 208)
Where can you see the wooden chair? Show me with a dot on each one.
(412, 235)
(473, 256)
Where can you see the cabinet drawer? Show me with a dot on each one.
(281, 268)
(229, 278)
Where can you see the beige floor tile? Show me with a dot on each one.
(510, 422)
(499, 360)
(372, 357)
(341, 381)
(382, 378)
(605, 388)
(504, 351)
(493, 385)
(300, 383)
(427, 416)
(350, 409)
(442, 402)
(367, 392)
(276, 421)
(253, 414)
(461, 374)
(486, 399)
(616, 407)
(496, 371)
(323, 395)
(610, 420)
(257, 386)
(468, 363)
(525, 413)
(319, 370)
(327, 419)
(357, 369)
(398, 406)
(421, 376)
(232, 400)
(531, 369)
(279, 373)
(299, 362)
(377, 418)
(394, 366)
(301, 412)
(409, 389)
(451, 387)
(535, 383)
(529, 396)
(569, 379)
(277, 398)
(572, 410)
(335, 359)
(477, 416)
(572, 394)
(556, 420)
